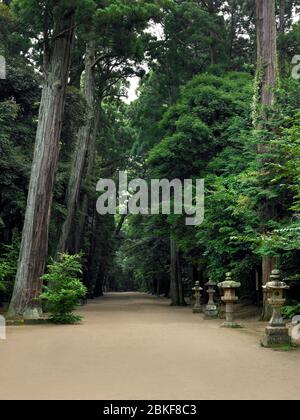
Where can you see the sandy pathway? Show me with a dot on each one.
(132, 346)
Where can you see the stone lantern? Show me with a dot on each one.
(229, 286)
(211, 309)
(277, 332)
(197, 309)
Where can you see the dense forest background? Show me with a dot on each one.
(199, 114)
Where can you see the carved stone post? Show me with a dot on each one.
(229, 286)
(277, 332)
(211, 309)
(197, 309)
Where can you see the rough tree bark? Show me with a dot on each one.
(34, 245)
(83, 140)
(233, 27)
(282, 51)
(269, 50)
(98, 290)
(176, 288)
(212, 11)
(90, 169)
(266, 75)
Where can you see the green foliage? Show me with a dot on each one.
(205, 132)
(290, 311)
(195, 39)
(197, 127)
(120, 24)
(232, 225)
(39, 16)
(208, 133)
(64, 289)
(192, 120)
(19, 97)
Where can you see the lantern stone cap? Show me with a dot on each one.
(211, 283)
(275, 274)
(229, 284)
(197, 286)
(275, 282)
(276, 285)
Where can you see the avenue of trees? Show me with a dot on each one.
(219, 99)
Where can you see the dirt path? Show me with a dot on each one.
(132, 346)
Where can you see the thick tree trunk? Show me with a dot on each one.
(282, 52)
(174, 293)
(83, 140)
(266, 51)
(176, 288)
(266, 74)
(34, 246)
(157, 287)
(212, 10)
(94, 251)
(91, 157)
(167, 287)
(98, 290)
(233, 27)
(269, 52)
(179, 280)
(268, 265)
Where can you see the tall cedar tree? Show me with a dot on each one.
(58, 35)
(266, 77)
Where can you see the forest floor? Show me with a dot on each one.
(134, 346)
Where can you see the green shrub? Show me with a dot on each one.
(289, 312)
(64, 289)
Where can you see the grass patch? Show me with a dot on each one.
(232, 327)
(280, 347)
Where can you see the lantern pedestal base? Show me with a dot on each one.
(197, 310)
(211, 311)
(277, 336)
(230, 322)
